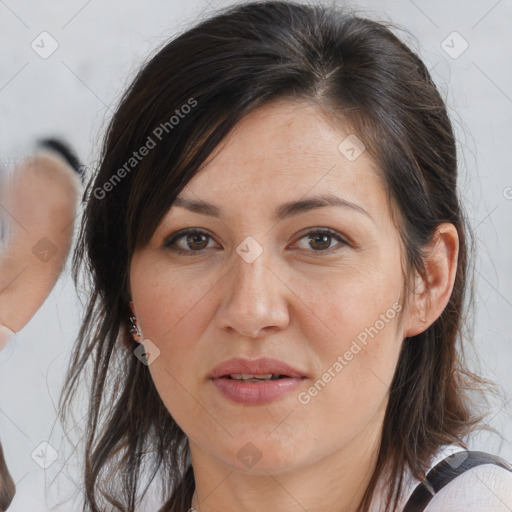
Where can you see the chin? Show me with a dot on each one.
(260, 455)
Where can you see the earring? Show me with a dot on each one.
(135, 328)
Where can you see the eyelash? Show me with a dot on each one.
(170, 242)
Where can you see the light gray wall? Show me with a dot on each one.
(72, 93)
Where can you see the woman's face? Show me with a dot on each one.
(252, 281)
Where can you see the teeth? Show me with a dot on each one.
(253, 378)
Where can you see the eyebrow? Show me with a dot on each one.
(283, 211)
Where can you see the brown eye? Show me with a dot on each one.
(193, 241)
(190, 241)
(320, 240)
(196, 241)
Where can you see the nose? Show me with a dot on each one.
(256, 298)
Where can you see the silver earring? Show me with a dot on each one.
(135, 328)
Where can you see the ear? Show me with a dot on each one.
(431, 296)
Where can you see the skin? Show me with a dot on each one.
(303, 300)
(39, 203)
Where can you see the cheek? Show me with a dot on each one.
(359, 300)
(176, 329)
(351, 323)
(173, 311)
(170, 302)
(357, 366)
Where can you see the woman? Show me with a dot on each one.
(277, 202)
(38, 208)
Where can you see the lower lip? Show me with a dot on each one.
(256, 392)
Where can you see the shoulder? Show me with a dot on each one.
(486, 487)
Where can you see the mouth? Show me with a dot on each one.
(255, 370)
(256, 381)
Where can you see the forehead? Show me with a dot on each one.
(282, 151)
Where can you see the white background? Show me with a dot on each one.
(73, 93)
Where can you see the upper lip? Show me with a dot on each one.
(259, 366)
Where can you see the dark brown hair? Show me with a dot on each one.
(7, 487)
(359, 74)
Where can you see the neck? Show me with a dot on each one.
(335, 483)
